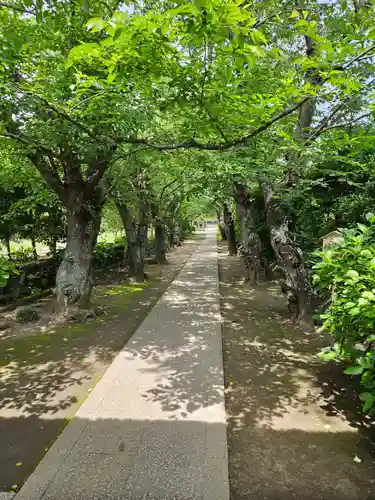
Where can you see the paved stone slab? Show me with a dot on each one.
(154, 427)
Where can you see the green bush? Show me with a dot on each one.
(7, 268)
(345, 274)
(23, 255)
(26, 314)
(107, 254)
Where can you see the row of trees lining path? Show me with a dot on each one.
(261, 110)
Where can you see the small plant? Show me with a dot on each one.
(26, 314)
(23, 255)
(7, 268)
(345, 273)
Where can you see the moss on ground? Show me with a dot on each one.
(39, 346)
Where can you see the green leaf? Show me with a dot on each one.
(368, 405)
(366, 396)
(96, 24)
(354, 370)
(327, 355)
(117, 34)
(352, 274)
(362, 301)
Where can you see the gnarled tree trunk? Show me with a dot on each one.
(251, 246)
(289, 256)
(230, 231)
(74, 279)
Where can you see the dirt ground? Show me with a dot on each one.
(47, 372)
(295, 426)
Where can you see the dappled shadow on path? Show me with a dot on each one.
(49, 375)
(177, 350)
(289, 435)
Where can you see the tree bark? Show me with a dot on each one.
(135, 237)
(289, 255)
(79, 190)
(53, 246)
(230, 231)
(220, 218)
(33, 245)
(160, 251)
(251, 247)
(176, 232)
(74, 279)
(7, 244)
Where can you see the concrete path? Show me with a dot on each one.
(154, 427)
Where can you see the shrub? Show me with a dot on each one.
(26, 314)
(345, 273)
(107, 254)
(23, 255)
(7, 268)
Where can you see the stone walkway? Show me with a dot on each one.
(154, 427)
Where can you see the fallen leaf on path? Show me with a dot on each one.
(18, 464)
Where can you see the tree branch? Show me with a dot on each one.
(346, 124)
(166, 187)
(267, 18)
(354, 59)
(50, 176)
(103, 165)
(6, 5)
(223, 146)
(315, 133)
(28, 142)
(181, 184)
(68, 118)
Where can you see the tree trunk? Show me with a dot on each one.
(160, 251)
(251, 246)
(33, 245)
(221, 224)
(7, 244)
(146, 239)
(74, 279)
(230, 231)
(289, 256)
(135, 237)
(177, 233)
(176, 224)
(53, 247)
